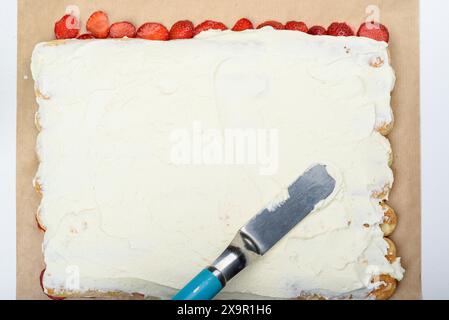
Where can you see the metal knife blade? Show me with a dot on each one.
(270, 225)
(266, 228)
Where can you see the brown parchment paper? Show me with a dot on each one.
(36, 19)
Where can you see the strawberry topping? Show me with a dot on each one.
(317, 31)
(40, 227)
(340, 30)
(242, 24)
(297, 26)
(208, 25)
(67, 27)
(276, 25)
(374, 31)
(153, 31)
(41, 279)
(98, 24)
(122, 29)
(182, 30)
(86, 36)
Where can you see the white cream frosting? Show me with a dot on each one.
(117, 208)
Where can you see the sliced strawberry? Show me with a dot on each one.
(374, 31)
(242, 24)
(340, 29)
(86, 36)
(271, 23)
(317, 31)
(67, 27)
(297, 26)
(182, 30)
(209, 25)
(39, 225)
(41, 279)
(98, 24)
(122, 29)
(153, 31)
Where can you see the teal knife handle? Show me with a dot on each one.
(205, 286)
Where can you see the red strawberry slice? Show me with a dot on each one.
(41, 279)
(86, 36)
(317, 31)
(275, 24)
(98, 24)
(67, 27)
(39, 225)
(153, 31)
(243, 24)
(182, 30)
(209, 25)
(340, 29)
(296, 26)
(122, 29)
(374, 31)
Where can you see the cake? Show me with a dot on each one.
(153, 154)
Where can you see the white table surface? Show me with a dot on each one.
(435, 147)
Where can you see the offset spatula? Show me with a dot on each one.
(260, 234)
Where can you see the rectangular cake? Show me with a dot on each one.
(153, 154)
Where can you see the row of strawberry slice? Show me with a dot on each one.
(99, 27)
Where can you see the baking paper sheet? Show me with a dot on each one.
(36, 21)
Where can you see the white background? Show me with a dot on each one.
(435, 147)
(8, 149)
